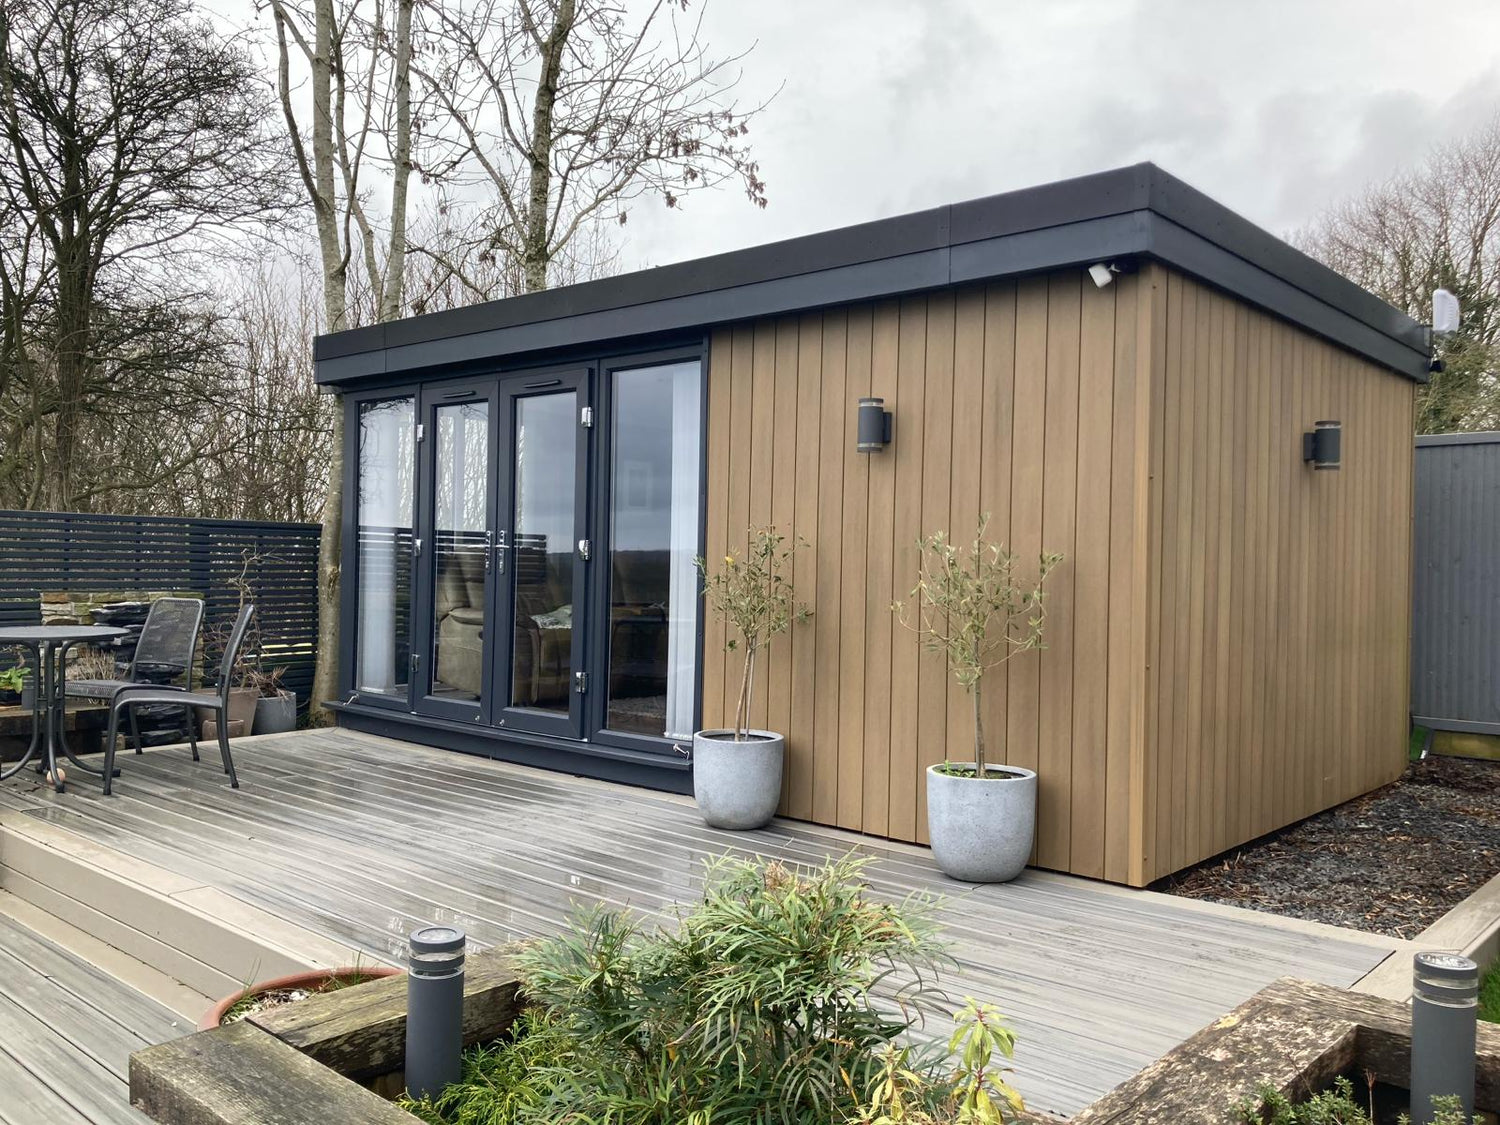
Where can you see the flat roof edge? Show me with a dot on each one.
(1138, 210)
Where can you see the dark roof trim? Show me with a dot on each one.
(1479, 437)
(1139, 211)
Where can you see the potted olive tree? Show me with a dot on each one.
(737, 772)
(969, 605)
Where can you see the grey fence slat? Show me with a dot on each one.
(47, 552)
(1455, 671)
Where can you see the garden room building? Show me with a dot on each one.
(1114, 367)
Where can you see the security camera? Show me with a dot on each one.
(1103, 273)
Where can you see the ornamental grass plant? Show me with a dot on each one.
(758, 1007)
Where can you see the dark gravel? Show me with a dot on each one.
(1391, 862)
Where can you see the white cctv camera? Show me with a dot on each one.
(1103, 273)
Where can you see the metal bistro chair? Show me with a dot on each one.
(168, 640)
(217, 702)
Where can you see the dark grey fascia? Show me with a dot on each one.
(1478, 437)
(1138, 211)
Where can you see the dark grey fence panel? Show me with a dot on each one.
(1455, 659)
(46, 552)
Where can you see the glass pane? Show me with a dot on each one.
(383, 528)
(459, 524)
(544, 530)
(653, 535)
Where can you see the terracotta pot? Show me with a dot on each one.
(241, 715)
(309, 980)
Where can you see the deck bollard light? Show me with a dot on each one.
(1444, 1008)
(434, 1010)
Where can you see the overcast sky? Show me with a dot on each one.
(1274, 107)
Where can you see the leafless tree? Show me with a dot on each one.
(1437, 225)
(566, 111)
(359, 131)
(134, 136)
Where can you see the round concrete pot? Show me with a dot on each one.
(981, 830)
(737, 784)
(312, 981)
(276, 714)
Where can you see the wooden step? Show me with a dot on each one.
(193, 934)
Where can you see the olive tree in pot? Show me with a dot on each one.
(969, 606)
(737, 772)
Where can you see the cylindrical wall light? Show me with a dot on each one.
(1323, 445)
(874, 430)
(434, 1010)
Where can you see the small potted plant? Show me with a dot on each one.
(737, 772)
(14, 686)
(275, 707)
(969, 606)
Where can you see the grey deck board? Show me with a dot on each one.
(67, 1030)
(361, 838)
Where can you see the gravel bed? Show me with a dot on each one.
(1391, 862)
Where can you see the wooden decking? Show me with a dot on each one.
(358, 839)
(67, 1030)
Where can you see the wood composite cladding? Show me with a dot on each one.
(1227, 637)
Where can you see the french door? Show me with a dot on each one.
(542, 552)
(453, 549)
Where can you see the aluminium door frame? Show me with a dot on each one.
(431, 397)
(515, 385)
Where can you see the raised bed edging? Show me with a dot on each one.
(305, 1061)
(1293, 1035)
(1472, 928)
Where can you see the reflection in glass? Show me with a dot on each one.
(544, 530)
(460, 547)
(383, 533)
(653, 535)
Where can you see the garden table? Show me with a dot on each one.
(49, 645)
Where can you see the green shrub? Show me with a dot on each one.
(755, 1009)
(1489, 995)
(1331, 1107)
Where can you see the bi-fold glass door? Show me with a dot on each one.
(454, 555)
(543, 551)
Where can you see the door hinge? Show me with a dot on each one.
(414, 661)
(416, 546)
(586, 417)
(585, 549)
(580, 682)
(421, 431)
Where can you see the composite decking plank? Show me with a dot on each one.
(452, 816)
(63, 1058)
(358, 838)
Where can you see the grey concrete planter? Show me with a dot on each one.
(737, 784)
(276, 715)
(981, 831)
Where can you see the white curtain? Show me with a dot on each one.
(683, 601)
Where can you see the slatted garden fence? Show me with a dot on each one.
(45, 553)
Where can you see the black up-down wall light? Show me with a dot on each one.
(1322, 445)
(874, 432)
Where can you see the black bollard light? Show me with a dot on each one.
(1444, 1008)
(434, 1010)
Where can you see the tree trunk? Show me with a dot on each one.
(979, 765)
(325, 684)
(539, 196)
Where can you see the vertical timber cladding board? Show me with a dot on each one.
(1277, 687)
(1019, 399)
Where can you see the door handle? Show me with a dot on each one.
(498, 551)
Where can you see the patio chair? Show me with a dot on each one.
(217, 702)
(168, 640)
